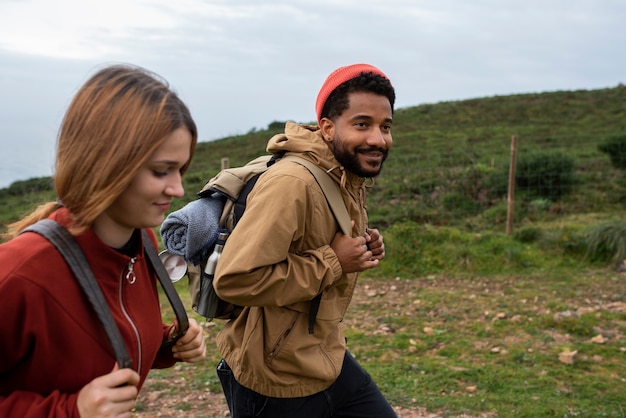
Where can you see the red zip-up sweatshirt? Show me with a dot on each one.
(51, 341)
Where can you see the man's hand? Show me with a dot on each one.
(375, 243)
(355, 254)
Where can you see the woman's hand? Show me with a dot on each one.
(110, 395)
(191, 347)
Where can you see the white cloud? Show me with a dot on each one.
(78, 29)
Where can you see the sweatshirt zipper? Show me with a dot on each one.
(130, 277)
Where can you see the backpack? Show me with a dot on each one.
(233, 185)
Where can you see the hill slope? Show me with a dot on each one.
(438, 148)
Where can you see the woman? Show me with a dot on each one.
(123, 146)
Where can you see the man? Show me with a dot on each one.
(286, 250)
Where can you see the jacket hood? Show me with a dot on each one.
(306, 140)
(302, 139)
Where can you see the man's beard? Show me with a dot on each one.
(350, 161)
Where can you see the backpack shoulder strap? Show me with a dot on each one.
(333, 197)
(168, 287)
(331, 191)
(71, 252)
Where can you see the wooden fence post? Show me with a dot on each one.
(511, 190)
(225, 163)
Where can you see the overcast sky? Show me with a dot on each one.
(243, 64)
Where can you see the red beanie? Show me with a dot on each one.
(338, 77)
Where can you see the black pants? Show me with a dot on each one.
(354, 394)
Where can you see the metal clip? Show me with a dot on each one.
(130, 276)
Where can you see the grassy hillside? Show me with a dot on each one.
(441, 149)
(461, 317)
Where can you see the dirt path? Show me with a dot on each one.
(163, 397)
(158, 403)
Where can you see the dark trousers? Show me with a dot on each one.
(353, 395)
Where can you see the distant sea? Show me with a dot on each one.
(22, 161)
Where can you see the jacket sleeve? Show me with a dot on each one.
(15, 334)
(29, 404)
(165, 357)
(279, 253)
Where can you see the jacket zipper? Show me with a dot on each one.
(130, 277)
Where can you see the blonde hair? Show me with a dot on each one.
(115, 122)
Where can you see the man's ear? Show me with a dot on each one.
(327, 127)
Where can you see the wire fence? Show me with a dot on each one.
(481, 184)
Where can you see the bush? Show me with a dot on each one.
(458, 204)
(477, 182)
(615, 148)
(33, 185)
(276, 125)
(607, 241)
(549, 175)
(528, 235)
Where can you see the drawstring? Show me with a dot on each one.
(364, 188)
(343, 177)
(364, 185)
(342, 182)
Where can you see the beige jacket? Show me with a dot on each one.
(277, 259)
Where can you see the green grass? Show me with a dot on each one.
(473, 344)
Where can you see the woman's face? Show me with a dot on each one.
(144, 203)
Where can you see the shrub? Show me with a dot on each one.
(276, 125)
(459, 204)
(33, 185)
(477, 182)
(528, 235)
(607, 241)
(541, 205)
(615, 148)
(550, 175)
